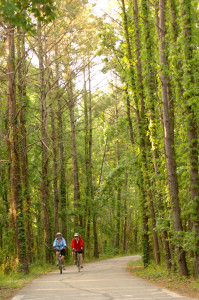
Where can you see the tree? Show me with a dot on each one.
(15, 185)
(169, 142)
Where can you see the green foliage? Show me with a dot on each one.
(124, 172)
(21, 13)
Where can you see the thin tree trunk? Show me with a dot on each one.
(169, 142)
(128, 105)
(125, 215)
(23, 143)
(192, 121)
(16, 201)
(118, 206)
(45, 156)
(133, 86)
(87, 166)
(96, 245)
(63, 166)
(74, 151)
(90, 141)
(55, 173)
(144, 145)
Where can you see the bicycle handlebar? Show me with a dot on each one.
(60, 249)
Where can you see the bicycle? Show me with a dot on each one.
(78, 260)
(60, 262)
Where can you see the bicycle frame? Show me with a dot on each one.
(60, 262)
(78, 260)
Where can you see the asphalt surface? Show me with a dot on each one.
(102, 280)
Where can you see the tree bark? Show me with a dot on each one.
(169, 142)
(78, 218)
(146, 248)
(63, 167)
(22, 96)
(90, 119)
(87, 164)
(143, 135)
(16, 200)
(189, 97)
(125, 215)
(55, 174)
(118, 206)
(45, 156)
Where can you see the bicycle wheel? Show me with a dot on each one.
(78, 261)
(60, 265)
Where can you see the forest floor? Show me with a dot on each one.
(183, 286)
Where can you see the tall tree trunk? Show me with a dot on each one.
(78, 218)
(128, 106)
(125, 215)
(21, 57)
(63, 166)
(16, 200)
(45, 156)
(55, 173)
(87, 166)
(190, 95)
(90, 118)
(118, 206)
(151, 99)
(146, 249)
(169, 142)
(144, 143)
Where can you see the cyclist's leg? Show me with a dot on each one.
(74, 256)
(81, 259)
(57, 256)
(62, 256)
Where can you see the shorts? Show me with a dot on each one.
(63, 252)
(79, 251)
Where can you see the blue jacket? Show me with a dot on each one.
(60, 245)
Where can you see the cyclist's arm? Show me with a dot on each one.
(65, 245)
(73, 244)
(54, 244)
(82, 244)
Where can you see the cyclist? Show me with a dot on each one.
(60, 244)
(77, 245)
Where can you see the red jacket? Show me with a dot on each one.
(78, 245)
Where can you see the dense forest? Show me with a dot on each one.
(118, 165)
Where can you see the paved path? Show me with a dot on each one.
(102, 280)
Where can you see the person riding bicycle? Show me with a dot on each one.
(77, 245)
(60, 245)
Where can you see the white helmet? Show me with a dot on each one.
(76, 234)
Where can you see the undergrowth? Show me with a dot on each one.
(159, 275)
(13, 281)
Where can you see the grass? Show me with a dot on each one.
(10, 283)
(160, 276)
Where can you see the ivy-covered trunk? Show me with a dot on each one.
(146, 249)
(190, 96)
(169, 144)
(15, 185)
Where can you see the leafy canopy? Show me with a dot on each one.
(23, 13)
